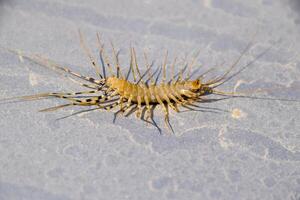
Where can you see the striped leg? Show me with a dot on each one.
(89, 54)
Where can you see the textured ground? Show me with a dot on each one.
(250, 154)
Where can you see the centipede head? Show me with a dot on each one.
(193, 85)
(196, 86)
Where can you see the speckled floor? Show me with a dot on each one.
(250, 152)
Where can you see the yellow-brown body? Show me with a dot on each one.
(152, 93)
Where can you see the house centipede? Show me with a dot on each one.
(144, 93)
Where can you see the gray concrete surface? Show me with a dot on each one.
(254, 155)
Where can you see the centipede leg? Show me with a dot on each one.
(139, 101)
(56, 107)
(148, 108)
(116, 58)
(120, 111)
(152, 117)
(174, 107)
(103, 58)
(51, 64)
(132, 110)
(88, 53)
(110, 106)
(167, 120)
(144, 112)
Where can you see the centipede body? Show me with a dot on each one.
(143, 94)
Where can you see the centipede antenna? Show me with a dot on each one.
(216, 84)
(164, 67)
(238, 95)
(208, 108)
(212, 100)
(89, 54)
(192, 74)
(116, 58)
(189, 109)
(190, 66)
(100, 49)
(206, 72)
(249, 45)
(180, 74)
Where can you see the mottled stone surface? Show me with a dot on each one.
(251, 153)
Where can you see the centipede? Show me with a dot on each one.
(147, 92)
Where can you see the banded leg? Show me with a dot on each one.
(49, 63)
(89, 55)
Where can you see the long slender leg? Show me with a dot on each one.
(110, 106)
(164, 67)
(120, 111)
(106, 107)
(172, 70)
(131, 64)
(139, 101)
(167, 120)
(116, 58)
(89, 54)
(56, 107)
(100, 49)
(165, 109)
(135, 62)
(165, 95)
(67, 96)
(129, 100)
(147, 101)
(179, 75)
(152, 117)
(49, 63)
(77, 113)
(150, 76)
(104, 58)
(132, 110)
